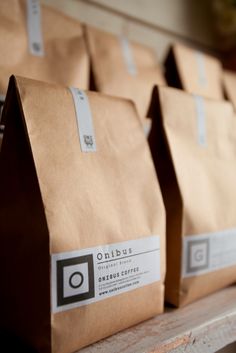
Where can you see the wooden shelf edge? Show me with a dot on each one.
(201, 327)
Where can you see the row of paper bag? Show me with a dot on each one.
(99, 225)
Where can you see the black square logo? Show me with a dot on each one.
(75, 279)
(197, 255)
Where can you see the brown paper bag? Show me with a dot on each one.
(81, 204)
(194, 71)
(122, 68)
(41, 43)
(193, 143)
(229, 84)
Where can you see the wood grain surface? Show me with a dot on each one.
(202, 327)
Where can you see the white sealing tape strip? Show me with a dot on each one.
(202, 77)
(84, 120)
(2, 97)
(128, 56)
(201, 124)
(35, 37)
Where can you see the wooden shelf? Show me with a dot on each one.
(202, 327)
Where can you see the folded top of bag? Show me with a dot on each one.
(41, 43)
(123, 68)
(194, 71)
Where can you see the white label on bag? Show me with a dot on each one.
(86, 276)
(35, 37)
(84, 120)
(128, 56)
(202, 78)
(201, 123)
(208, 252)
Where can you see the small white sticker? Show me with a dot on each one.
(86, 276)
(35, 37)
(201, 117)
(208, 252)
(84, 120)
(202, 77)
(128, 56)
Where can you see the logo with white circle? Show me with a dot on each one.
(197, 255)
(75, 279)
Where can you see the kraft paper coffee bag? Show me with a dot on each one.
(123, 68)
(193, 143)
(229, 84)
(41, 43)
(82, 221)
(194, 71)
